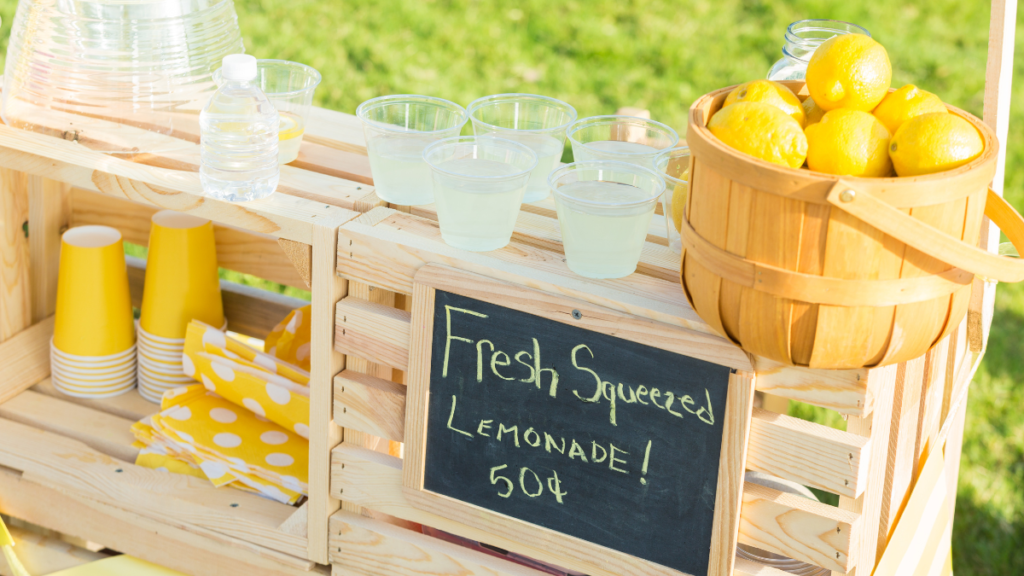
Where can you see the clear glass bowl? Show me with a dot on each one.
(104, 72)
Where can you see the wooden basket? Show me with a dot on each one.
(813, 269)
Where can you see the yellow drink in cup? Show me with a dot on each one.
(478, 186)
(604, 209)
(94, 308)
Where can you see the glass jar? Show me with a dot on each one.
(802, 38)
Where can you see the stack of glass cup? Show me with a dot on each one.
(181, 285)
(92, 354)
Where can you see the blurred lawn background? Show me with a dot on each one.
(600, 55)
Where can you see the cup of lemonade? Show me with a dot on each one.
(604, 209)
(290, 87)
(622, 138)
(538, 122)
(479, 184)
(398, 129)
(674, 165)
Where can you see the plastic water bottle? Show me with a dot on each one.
(238, 133)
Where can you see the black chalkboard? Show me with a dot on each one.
(640, 478)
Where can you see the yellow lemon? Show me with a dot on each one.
(679, 202)
(934, 142)
(290, 127)
(849, 71)
(770, 93)
(848, 143)
(812, 111)
(903, 104)
(761, 130)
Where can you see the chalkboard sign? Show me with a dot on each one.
(583, 433)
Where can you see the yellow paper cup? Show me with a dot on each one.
(181, 276)
(94, 308)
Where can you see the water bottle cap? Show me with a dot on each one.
(239, 67)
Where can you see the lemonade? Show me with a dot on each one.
(399, 172)
(475, 215)
(633, 152)
(289, 136)
(549, 152)
(604, 226)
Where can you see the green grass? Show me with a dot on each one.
(600, 55)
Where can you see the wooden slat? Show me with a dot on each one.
(249, 310)
(788, 525)
(384, 248)
(375, 332)
(281, 215)
(69, 465)
(370, 404)
(367, 547)
(845, 391)
(325, 363)
(41, 554)
(184, 547)
(246, 252)
(104, 432)
(729, 494)
(15, 299)
(130, 405)
(25, 359)
(902, 464)
(810, 454)
(48, 210)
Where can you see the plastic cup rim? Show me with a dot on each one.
(669, 153)
(616, 164)
(218, 78)
(485, 101)
(615, 119)
(473, 140)
(365, 107)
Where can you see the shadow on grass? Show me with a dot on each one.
(984, 542)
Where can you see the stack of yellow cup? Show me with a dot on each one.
(92, 354)
(181, 285)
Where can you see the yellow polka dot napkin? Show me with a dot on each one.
(228, 444)
(266, 386)
(289, 340)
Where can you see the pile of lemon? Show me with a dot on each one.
(851, 124)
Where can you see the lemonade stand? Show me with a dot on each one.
(528, 408)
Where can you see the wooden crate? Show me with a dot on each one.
(66, 463)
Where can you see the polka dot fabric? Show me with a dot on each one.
(265, 386)
(228, 444)
(289, 340)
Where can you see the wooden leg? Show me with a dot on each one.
(15, 288)
(48, 213)
(876, 426)
(328, 288)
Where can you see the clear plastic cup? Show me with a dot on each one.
(621, 138)
(537, 122)
(604, 208)
(479, 184)
(674, 166)
(398, 129)
(290, 87)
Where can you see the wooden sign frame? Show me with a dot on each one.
(578, 553)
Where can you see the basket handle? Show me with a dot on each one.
(932, 241)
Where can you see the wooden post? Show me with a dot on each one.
(15, 289)
(328, 289)
(48, 214)
(998, 84)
